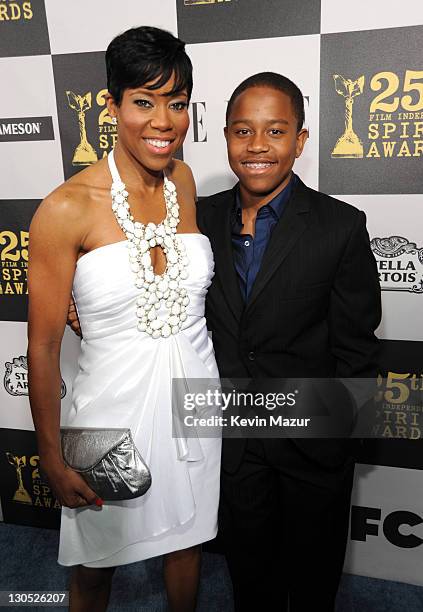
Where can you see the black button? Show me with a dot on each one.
(251, 355)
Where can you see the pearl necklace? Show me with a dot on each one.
(154, 288)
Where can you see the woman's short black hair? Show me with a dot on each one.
(274, 81)
(147, 55)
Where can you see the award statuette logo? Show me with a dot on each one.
(26, 498)
(21, 494)
(85, 153)
(349, 144)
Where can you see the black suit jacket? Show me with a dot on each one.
(313, 308)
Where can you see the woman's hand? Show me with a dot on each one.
(69, 487)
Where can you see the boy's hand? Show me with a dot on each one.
(73, 320)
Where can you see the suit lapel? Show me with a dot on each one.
(221, 239)
(286, 233)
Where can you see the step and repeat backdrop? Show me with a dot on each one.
(360, 68)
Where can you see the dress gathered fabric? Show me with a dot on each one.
(125, 380)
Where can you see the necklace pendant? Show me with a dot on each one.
(155, 291)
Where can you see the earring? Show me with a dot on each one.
(114, 120)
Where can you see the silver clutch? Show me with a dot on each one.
(108, 460)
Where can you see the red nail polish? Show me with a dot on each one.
(99, 501)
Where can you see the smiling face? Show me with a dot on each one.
(263, 141)
(151, 123)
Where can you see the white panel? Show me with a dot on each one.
(33, 169)
(396, 215)
(345, 16)
(402, 317)
(218, 69)
(15, 412)
(388, 490)
(80, 26)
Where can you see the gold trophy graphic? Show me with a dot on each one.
(349, 144)
(21, 494)
(84, 154)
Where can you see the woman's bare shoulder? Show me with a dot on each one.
(71, 201)
(77, 193)
(181, 173)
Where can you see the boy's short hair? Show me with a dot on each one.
(275, 81)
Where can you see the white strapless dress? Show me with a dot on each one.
(124, 380)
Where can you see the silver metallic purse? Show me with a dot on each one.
(108, 461)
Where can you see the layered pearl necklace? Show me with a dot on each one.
(154, 288)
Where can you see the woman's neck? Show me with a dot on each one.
(134, 174)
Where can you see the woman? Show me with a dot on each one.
(142, 319)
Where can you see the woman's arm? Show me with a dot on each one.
(55, 239)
